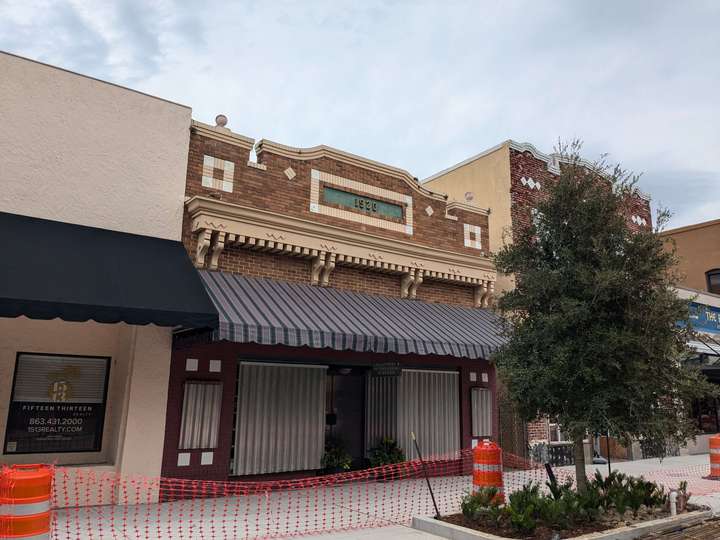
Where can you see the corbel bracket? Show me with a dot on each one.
(484, 294)
(216, 247)
(410, 282)
(322, 266)
(203, 244)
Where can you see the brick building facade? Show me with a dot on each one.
(339, 274)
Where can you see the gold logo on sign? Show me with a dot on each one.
(60, 388)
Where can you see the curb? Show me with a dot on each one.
(456, 532)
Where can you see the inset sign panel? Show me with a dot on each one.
(348, 199)
(360, 203)
(57, 404)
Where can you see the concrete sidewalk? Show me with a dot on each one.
(353, 509)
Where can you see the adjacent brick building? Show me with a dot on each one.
(510, 179)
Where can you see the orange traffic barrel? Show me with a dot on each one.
(487, 467)
(715, 457)
(25, 492)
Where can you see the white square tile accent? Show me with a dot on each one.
(429, 210)
(529, 182)
(206, 458)
(472, 236)
(191, 364)
(183, 459)
(290, 173)
(484, 376)
(210, 163)
(473, 376)
(215, 366)
(315, 174)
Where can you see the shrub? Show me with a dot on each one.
(386, 452)
(335, 456)
(483, 503)
(524, 507)
(564, 507)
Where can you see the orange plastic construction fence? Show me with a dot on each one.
(487, 467)
(715, 457)
(25, 492)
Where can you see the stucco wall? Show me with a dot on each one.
(134, 427)
(698, 249)
(83, 151)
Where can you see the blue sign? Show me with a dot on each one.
(705, 318)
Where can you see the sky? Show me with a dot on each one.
(418, 84)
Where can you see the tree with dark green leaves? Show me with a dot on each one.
(593, 339)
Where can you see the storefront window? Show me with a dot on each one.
(481, 404)
(57, 404)
(200, 424)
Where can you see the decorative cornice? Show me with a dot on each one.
(554, 159)
(223, 134)
(457, 205)
(315, 152)
(261, 229)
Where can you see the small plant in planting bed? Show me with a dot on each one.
(558, 510)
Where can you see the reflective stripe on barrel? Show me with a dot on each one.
(25, 492)
(487, 467)
(715, 457)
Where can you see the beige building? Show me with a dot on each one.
(698, 249)
(509, 179)
(93, 179)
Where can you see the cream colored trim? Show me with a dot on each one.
(262, 230)
(315, 152)
(457, 205)
(320, 177)
(701, 297)
(223, 135)
(685, 228)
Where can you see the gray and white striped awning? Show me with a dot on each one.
(254, 310)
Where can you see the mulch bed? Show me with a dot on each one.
(609, 521)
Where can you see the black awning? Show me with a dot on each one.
(53, 270)
(268, 312)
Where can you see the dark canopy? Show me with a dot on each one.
(53, 270)
(270, 312)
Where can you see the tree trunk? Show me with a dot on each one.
(580, 474)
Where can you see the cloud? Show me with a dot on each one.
(421, 85)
